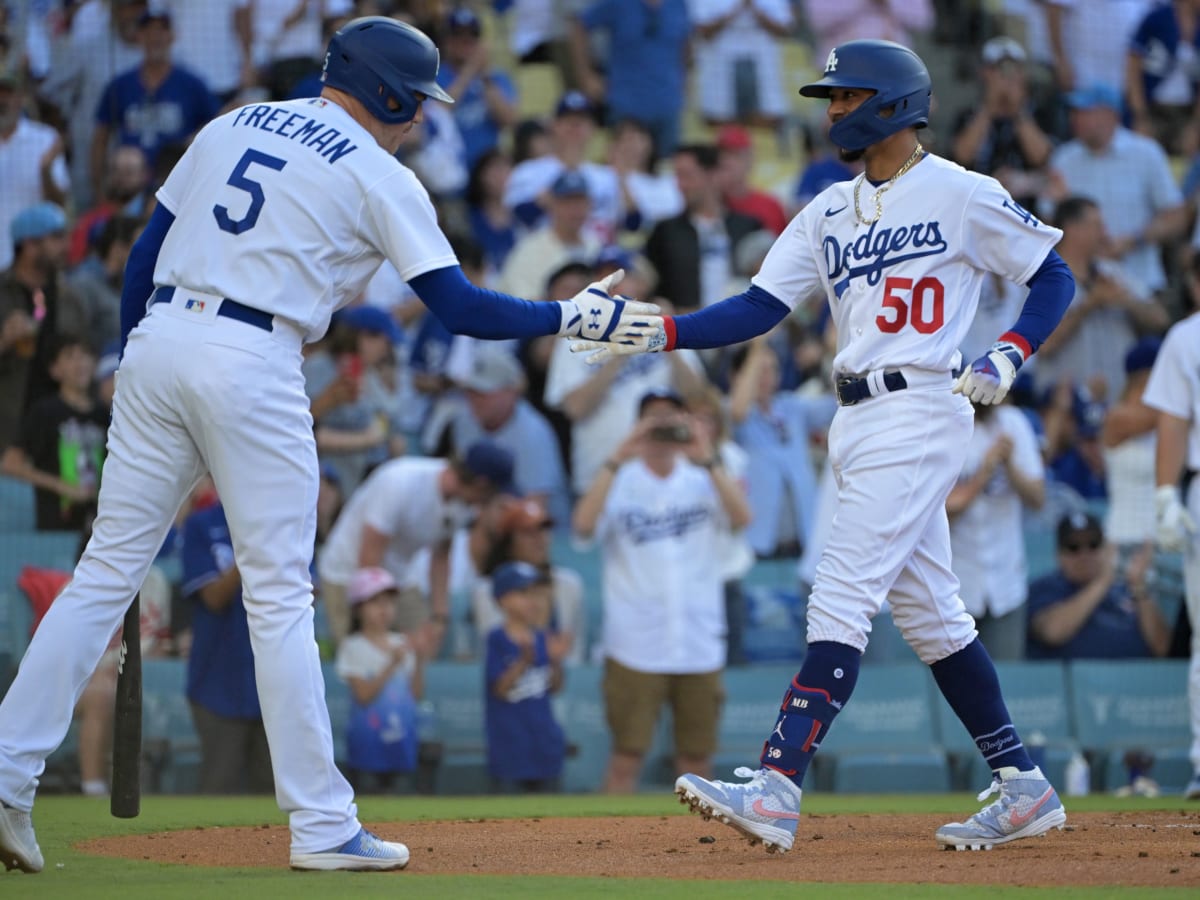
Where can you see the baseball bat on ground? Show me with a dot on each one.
(125, 801)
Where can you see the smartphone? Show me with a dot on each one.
(679, 433)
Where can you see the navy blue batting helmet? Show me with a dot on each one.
(897, 76)
(376, 59)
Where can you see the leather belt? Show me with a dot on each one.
(852, 390)
(230, 309)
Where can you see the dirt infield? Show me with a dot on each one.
(1133, 849)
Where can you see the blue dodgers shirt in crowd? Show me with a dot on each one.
(525, 742)
(173, 112)
(221, 664)
(1111, 631)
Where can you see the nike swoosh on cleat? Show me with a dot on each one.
(834, 212)
(760, 808)
(1016, 820)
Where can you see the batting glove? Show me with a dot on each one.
(1175, 525)
(635, 333)
(990, 376)
(595, 315)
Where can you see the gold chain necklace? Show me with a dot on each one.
(909, 163)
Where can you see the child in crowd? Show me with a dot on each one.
(384, 673)
(525, 745)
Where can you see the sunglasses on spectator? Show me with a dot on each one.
(1093, 544)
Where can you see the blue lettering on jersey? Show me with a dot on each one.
(312, 133)
(643, 526)
(878, 251)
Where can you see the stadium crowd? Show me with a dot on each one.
(456, 467)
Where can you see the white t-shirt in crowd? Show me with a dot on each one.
(21, 178)
(359, 657)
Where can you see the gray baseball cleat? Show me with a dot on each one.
(764, 809)
(363, 852)
(1027, 807)
(18, 844)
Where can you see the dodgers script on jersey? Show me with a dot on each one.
(903, 290)
(295, 188)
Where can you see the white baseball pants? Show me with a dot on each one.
(200, 392)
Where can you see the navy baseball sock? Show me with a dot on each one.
(968, 681)
(818, 692)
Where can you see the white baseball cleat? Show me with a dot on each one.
(362, 853)
(18, 844)
(1027, 807)
(765, 809)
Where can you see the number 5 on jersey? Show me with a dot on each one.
(239, 180)
(922, 305)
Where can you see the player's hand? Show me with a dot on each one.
(990, 376)
(634, 333)
(1175, 525)
(596, 314)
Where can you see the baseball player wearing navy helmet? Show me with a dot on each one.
(277, 215)
(899, 254)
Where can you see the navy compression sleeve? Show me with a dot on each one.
(139, 270)
(733, 320)
(466, 309)
(1050, 292)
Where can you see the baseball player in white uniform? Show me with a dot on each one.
(1174, 390)
(278, 214)
(899, 253)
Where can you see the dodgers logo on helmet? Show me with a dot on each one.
(376, 60)
(897, 76)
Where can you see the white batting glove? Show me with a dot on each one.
(990, 376)
(595, 315)
(1175, 525)
(635, 333)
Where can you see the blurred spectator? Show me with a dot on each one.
(1002, 476)
(528, 191)
(99, 286)
(848, 20)
(530, 140)
(36, 303)
(286, 43)
(32, 166)
(1107, 312)
(647, 197)
(493, 224)
(350, 403)
(485, 98)
(153, 105)
(124, 191)
(1090, 40)
(735, 163)
(693, 251)
(738, 59)
(214, 40)
(824, 166)
(1001, 134)
(645, 75)
(497, 411)
(776, 430)
(407, 505)
(660, 504)
(60, 450)
(221, 686)
(523, 667)
(521, 531)
(602, 401)
(384, 672)
(83, 69)
(330, 499)
(561, 240)
(1071, 421)
(537, 33)
(1129, 178)
(436, 153)
(1162, 78)
(1089, 608)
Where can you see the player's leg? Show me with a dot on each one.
(633, 702)
(150, 467)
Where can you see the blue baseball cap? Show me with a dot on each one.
(372, 320)
(1095, 95)
(463, 19)
(37, 221)
(484, 459)
(1142, 355)
(575, 103)
(570, 183)
(671, 396)
(516, 576)
(614, 255)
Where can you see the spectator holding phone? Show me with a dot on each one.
(660, 507)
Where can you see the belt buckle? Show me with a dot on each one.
(841, 382)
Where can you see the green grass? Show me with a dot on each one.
(64, 821)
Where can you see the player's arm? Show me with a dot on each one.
(139, 270)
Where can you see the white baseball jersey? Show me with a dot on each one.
(662, 540)
(1174, 385)
(305, 207)
(903, 290)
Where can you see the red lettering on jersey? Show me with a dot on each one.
(927, 307)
